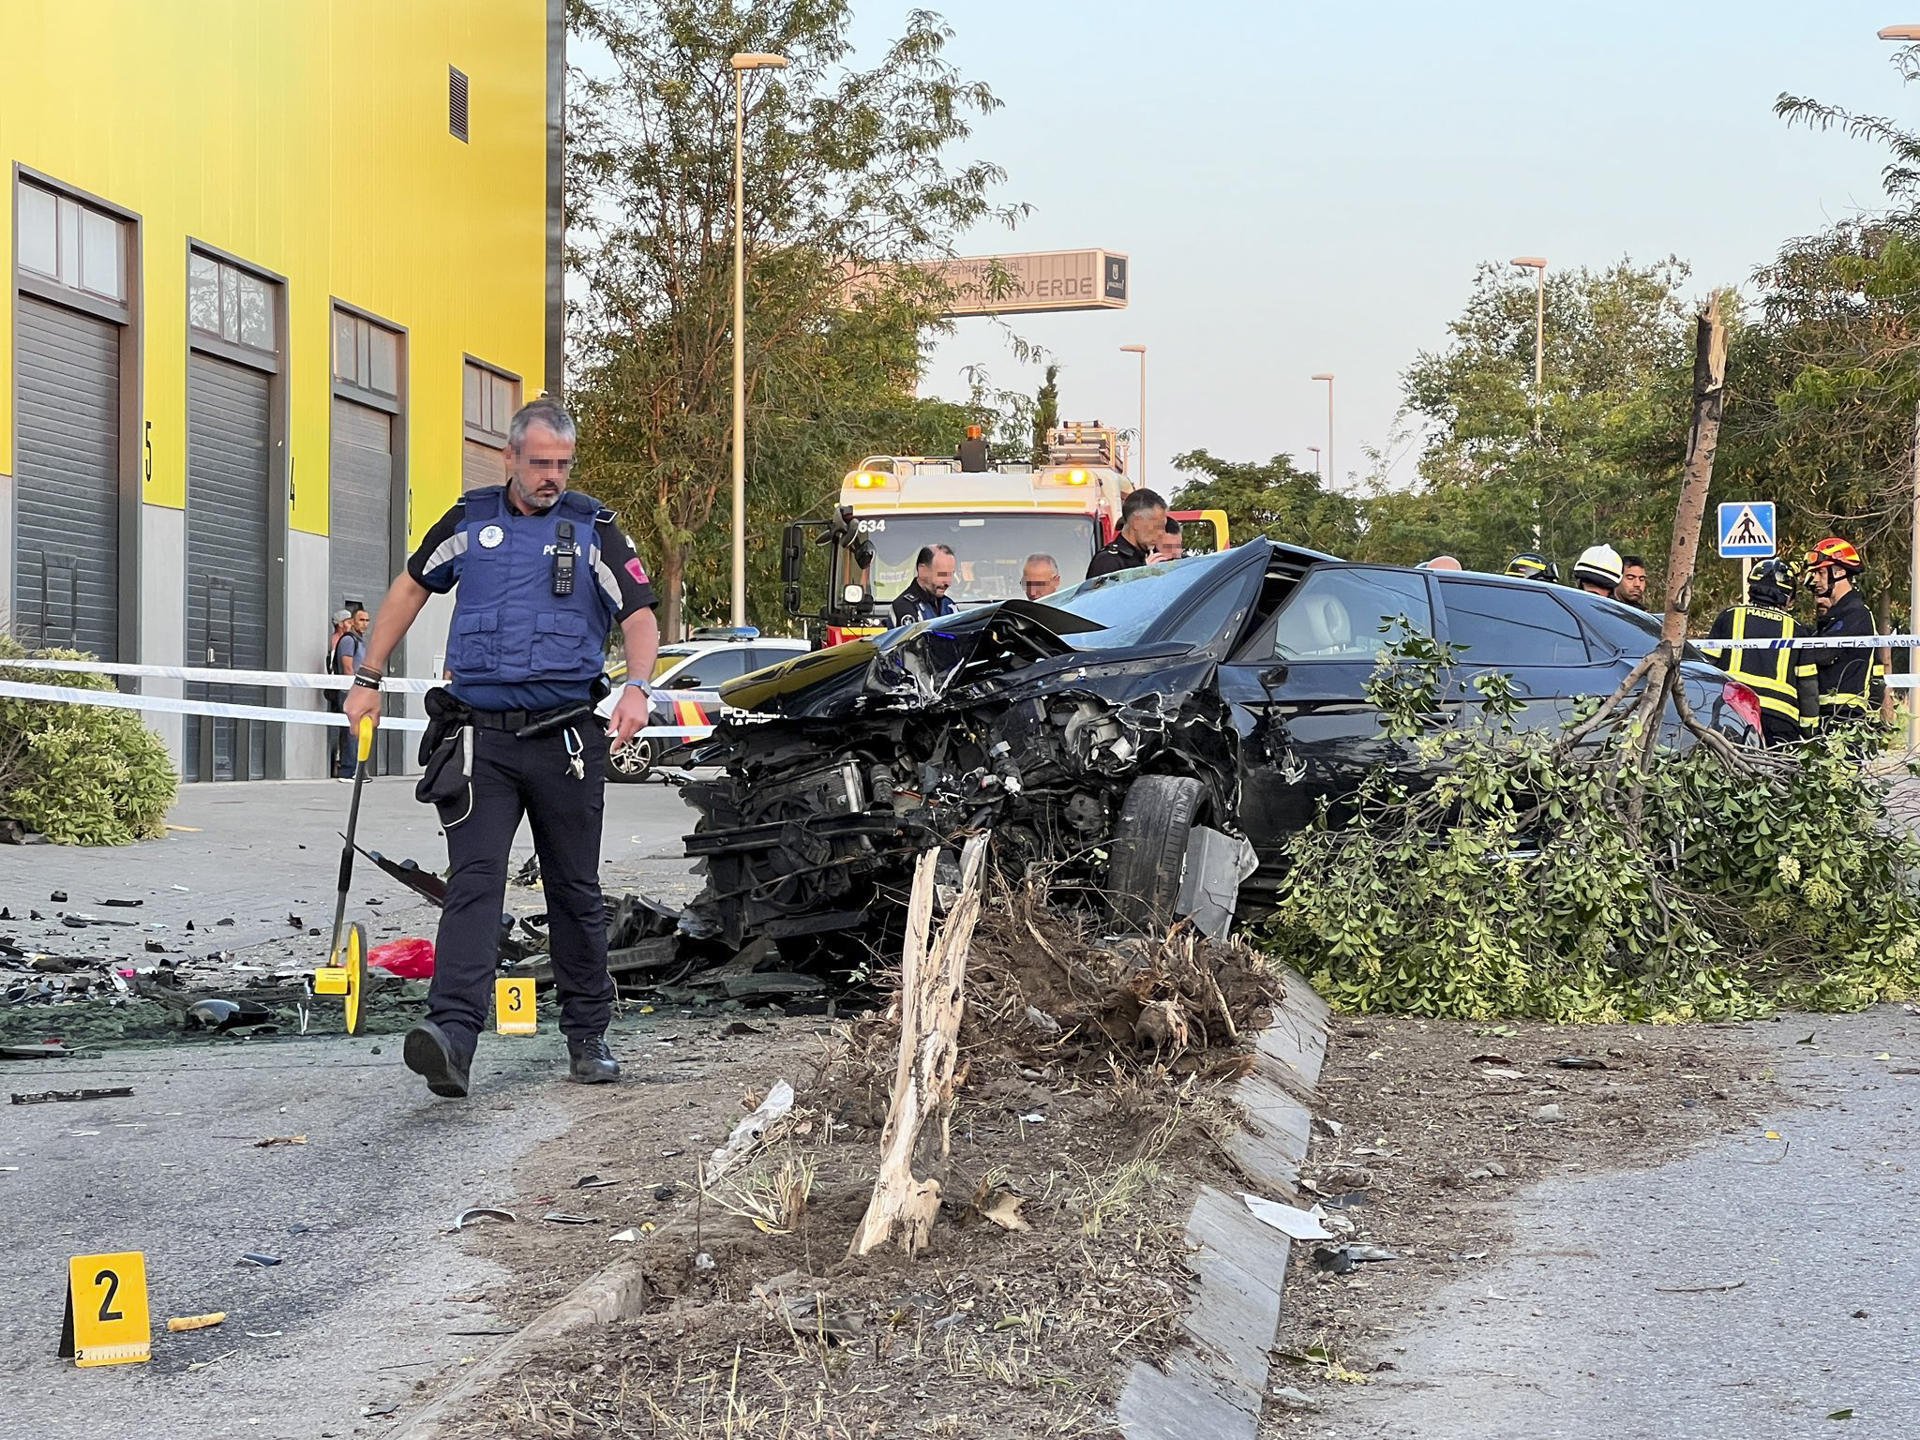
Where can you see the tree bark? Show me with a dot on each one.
(932, 1001)
(1709, 399)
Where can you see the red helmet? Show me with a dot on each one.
(1835, 552)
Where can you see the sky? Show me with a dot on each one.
(1310, 188)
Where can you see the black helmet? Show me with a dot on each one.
(1771, 583)
(1531, 566)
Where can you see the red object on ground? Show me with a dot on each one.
(409, 959)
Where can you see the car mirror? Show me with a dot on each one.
(1272, 676)
(684, 681)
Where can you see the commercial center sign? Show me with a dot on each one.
(1037, 281)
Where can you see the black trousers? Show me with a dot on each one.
(511, 778)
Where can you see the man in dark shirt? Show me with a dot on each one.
(349, 648)
(1143, 517)
(926, 598)
(543, 574)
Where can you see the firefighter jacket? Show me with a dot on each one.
(1784, 679)
(1852, 680)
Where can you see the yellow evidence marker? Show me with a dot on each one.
(513, 1006)
(345, 974)
(106, 1321)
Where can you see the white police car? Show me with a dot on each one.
(702, 663)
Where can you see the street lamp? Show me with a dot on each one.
(1328, 377)
(749, 60)
(1141, 351)
(1907, 35)
(1538, 265)
(1316, 461)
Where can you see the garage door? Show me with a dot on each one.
(227, 571)
(360, 561)
(67, 518)
(481, 465)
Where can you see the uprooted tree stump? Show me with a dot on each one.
(932, 1001)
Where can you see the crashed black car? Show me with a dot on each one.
(1153, 727)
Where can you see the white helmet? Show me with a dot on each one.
(1598, 565)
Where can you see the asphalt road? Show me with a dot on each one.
(368, 1296)
(1599, 1323)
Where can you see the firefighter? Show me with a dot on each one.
(1598, 570)
(1851, 679)
(1784, 679)
(1528, 565)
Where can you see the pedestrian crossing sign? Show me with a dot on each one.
(1747, 530)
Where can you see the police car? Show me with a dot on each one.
(701, 663)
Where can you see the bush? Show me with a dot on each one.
(1577, 883)
(80, 774)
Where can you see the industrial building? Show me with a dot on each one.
(276, 276)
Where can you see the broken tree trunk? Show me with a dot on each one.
(932, 1000)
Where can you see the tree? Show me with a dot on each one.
(850, 182)
(1046, 412)
(1276, 499)
(1612, 419)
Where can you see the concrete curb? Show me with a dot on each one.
(1214, 1384)
(618, 1291)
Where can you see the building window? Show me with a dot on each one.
(72, 244)
(491, 398)
(457, 103)
(365, 355)
(229, 302)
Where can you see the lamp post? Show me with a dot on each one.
(1327, 376)
(1907, 35)
(1141, 473)
(742, 63)
(1538, 265)
(1316, 461)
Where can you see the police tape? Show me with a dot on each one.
(209, 675)
(222, 710)
(1815, 642)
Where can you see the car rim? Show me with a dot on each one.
(633, 758)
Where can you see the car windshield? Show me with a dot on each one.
(670, 656)
(989, 551)
(1128, 602)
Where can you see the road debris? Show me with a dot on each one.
(561, 1217)
(748, 1134)
(480, 1214)
(197, 1322)
(113, 1092)
(1289, 1220)
(593, 1182)
(253, 1260)
(1698, 1289)
(273, 1140)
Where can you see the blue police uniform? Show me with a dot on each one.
(537, 596)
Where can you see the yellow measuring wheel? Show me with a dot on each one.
(345, 972)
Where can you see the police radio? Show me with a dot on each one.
(563, 559)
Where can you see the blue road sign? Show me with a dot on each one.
(1747, 530)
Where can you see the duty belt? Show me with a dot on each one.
(530, 724)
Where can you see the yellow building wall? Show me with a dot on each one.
(308, 138)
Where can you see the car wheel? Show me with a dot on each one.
(631, 762)
(1147, 856)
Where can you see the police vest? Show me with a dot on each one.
(1772, 675)
(508, 625)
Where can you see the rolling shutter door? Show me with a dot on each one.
(67, 520)
(227, 573)
(360, 506)
(481, 465)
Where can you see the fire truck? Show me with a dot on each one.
(992, 513)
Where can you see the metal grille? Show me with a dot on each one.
(457, 103)
(67, 525)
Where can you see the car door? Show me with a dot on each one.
(1524, 630)
(1298, 691)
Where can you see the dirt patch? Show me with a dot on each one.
(1082, 1129)
(1425, 1127)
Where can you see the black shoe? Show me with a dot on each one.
(430, 1053)
(590, 1062)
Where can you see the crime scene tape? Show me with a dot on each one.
(167, 705)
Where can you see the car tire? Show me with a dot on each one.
(1147, 856)
(630, 763)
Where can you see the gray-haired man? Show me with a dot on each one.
(543, 574)
(1040, 576)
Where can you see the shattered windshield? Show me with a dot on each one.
(989, 550)
(1128, 602)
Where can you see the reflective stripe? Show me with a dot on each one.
(448, 550)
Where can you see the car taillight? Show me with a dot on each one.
(1742, 701)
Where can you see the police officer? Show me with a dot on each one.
(1784, 679)
(925, 597)
(543, 573)
(1852, 681)
(1143, 517)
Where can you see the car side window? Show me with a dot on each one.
(716, 667)
(1345, 613)
(1505, 625)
